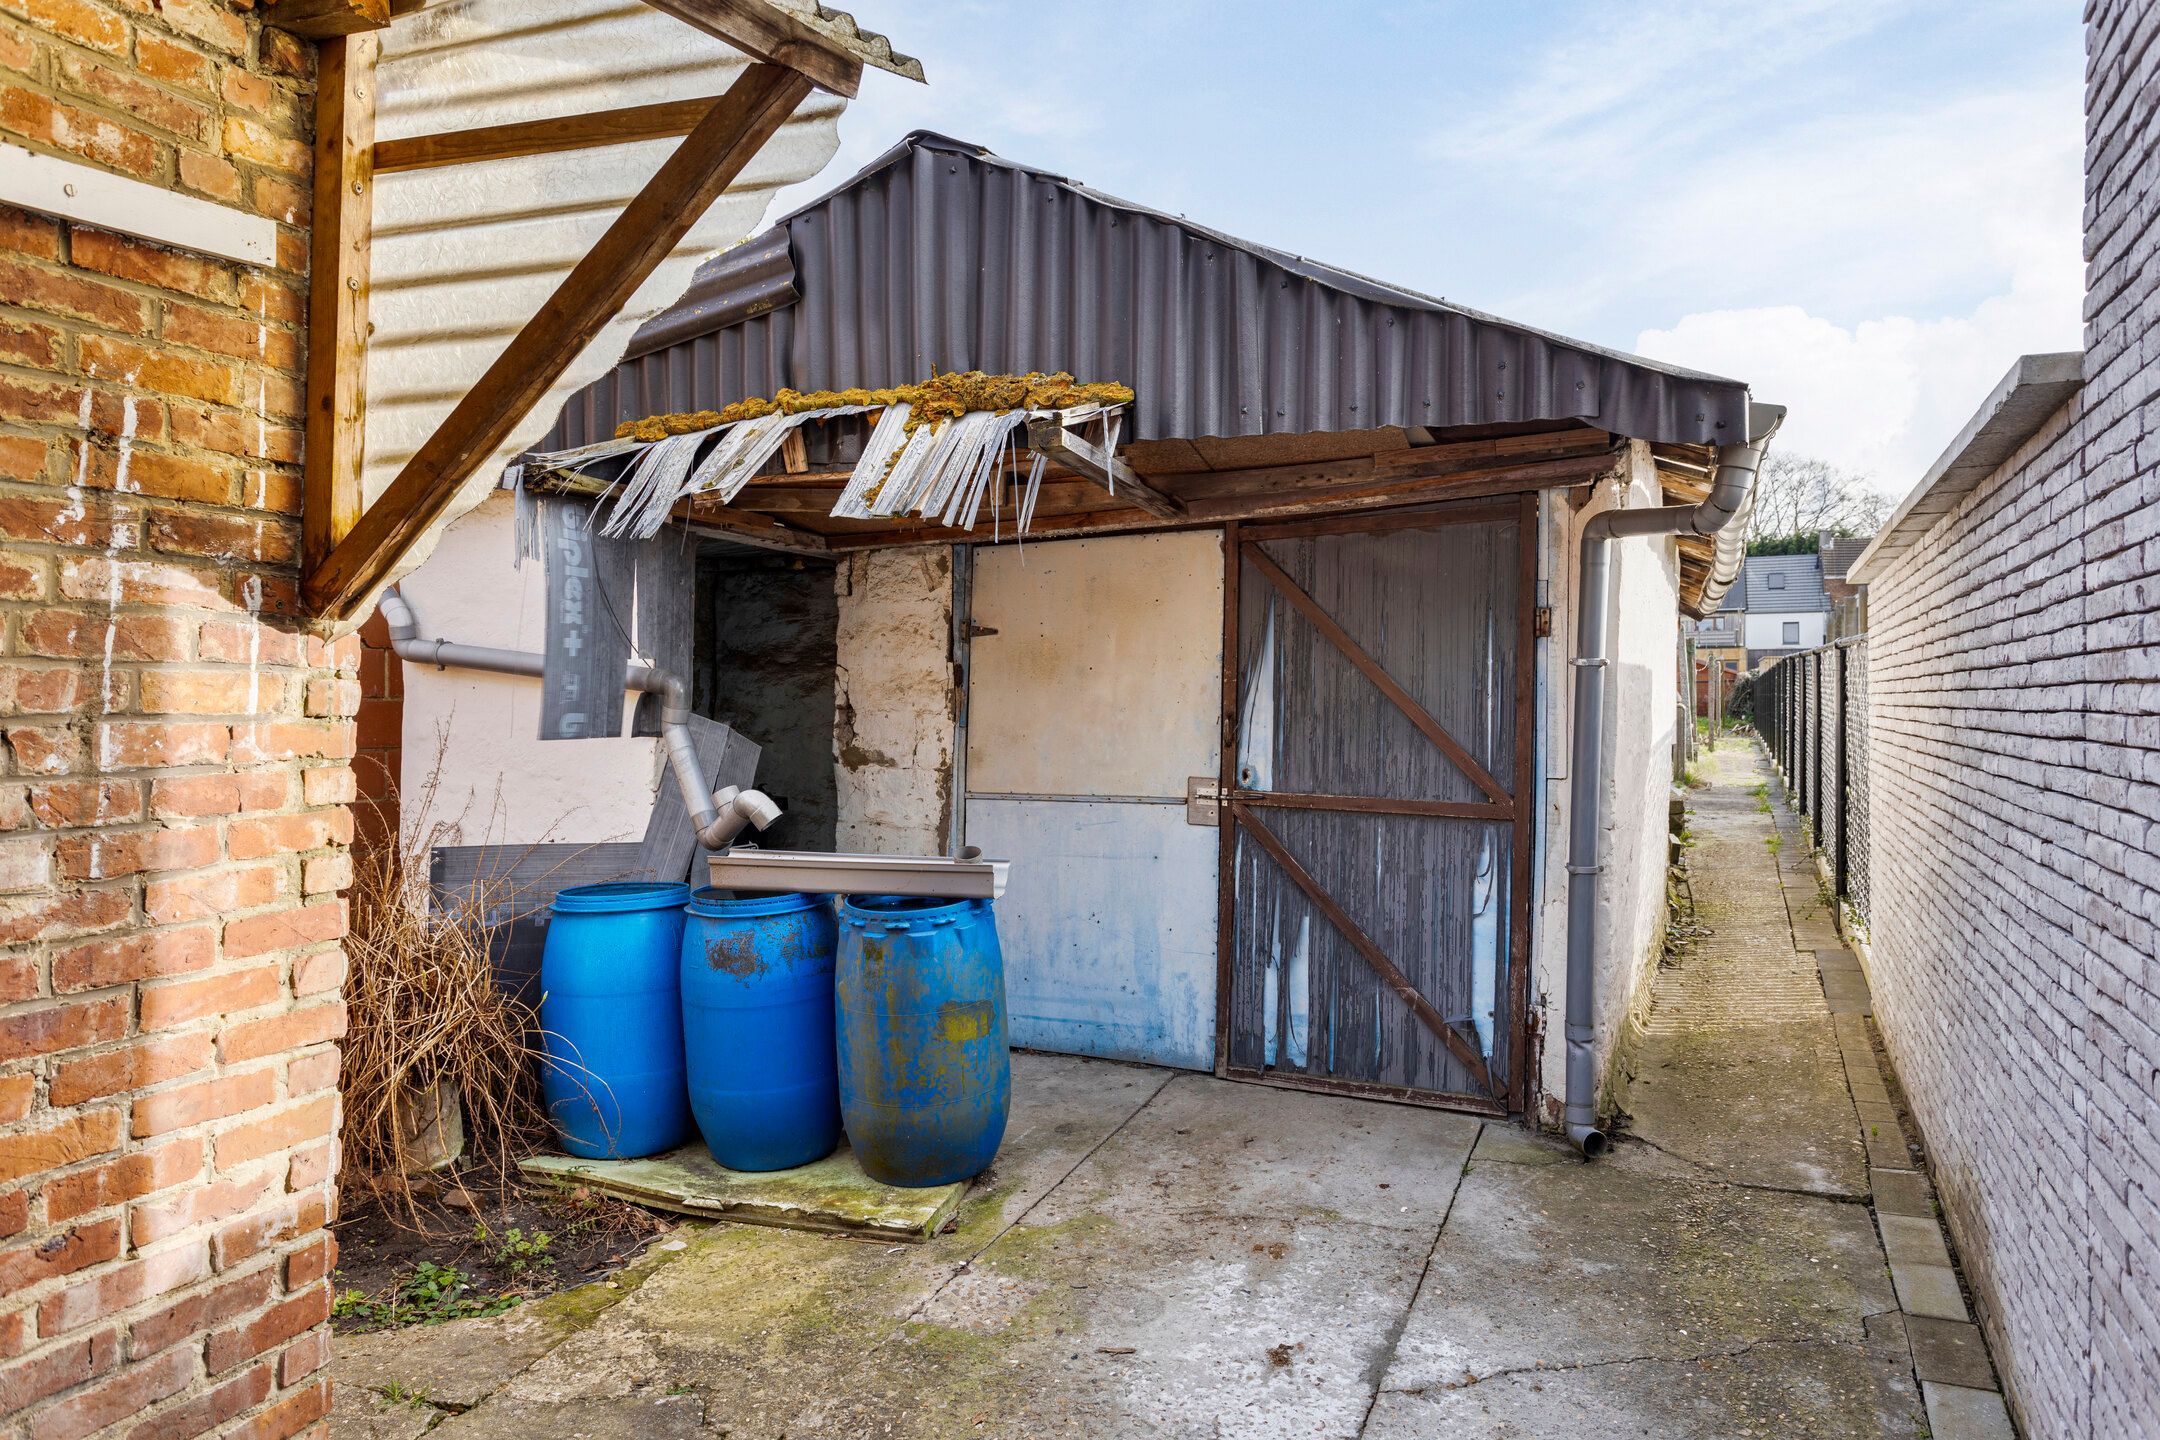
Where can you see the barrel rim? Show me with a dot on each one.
(707, 901)
(864, 910)
(615, 897)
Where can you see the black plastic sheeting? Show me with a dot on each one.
(941, 256)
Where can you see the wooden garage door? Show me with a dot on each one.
(1376, 852)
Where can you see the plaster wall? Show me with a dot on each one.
(499, 783)
(1642, 680)
(1767, 632)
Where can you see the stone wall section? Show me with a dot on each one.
(174, 746)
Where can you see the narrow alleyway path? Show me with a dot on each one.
(1169, 1255)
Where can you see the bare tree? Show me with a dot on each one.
(1797, 497)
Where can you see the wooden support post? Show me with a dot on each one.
(338, 291)
(595, 290)
(1066, 446)
(323, 19)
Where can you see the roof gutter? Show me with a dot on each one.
(717, 817)
(1732, 495)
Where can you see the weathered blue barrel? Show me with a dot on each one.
(757, 1006)
(925, 1078)
(611, 1020)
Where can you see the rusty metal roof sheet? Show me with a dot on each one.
(942, 256)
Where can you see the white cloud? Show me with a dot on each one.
(1884, 396)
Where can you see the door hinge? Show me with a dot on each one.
(1541, 621)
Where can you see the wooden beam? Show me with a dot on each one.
(543, 137)
(1083, 456)
(338, 277)
(594, 291)
(763, 31)
(323, 19)
(751, 528)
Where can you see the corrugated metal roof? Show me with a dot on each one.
(942, 256)
(463, 256)
(1802, 591)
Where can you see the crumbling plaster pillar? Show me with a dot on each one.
(894, 701)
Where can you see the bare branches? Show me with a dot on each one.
(1798, 497)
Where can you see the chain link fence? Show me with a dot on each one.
(1811, 710)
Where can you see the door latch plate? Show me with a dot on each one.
(1203, 800)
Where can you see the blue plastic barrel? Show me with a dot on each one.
(611, 1020)
(757, 1007)
(925, 1078)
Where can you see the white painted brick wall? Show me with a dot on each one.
(2015, 706)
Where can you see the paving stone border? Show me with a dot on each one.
(1949, 1352)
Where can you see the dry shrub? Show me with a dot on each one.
(424, 1010)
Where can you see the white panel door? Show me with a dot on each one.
(1095, 693)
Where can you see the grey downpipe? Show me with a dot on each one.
(1732, 491)
(718, 818)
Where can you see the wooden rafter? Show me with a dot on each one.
(543, 137)
(323, 19)
(338, 291)
(594, 291)
(1069, 448)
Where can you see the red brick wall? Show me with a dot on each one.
(174, 777)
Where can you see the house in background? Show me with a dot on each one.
(1784, 606)
(1848, 598)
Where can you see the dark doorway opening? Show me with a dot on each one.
(766, 646)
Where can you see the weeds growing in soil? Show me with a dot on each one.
(429, 1295)
(425, 1017)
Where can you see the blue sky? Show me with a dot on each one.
(1864, 208)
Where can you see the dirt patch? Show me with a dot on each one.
(472, 1245)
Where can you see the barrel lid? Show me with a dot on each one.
(716, 902)
(621, 895)
(905, 909)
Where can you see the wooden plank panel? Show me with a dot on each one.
(1326, 624)
(596, 289)
(338, 292)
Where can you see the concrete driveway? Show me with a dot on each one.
(1170, 1255)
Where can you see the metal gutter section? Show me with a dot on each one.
(719, 818)
(2035, 388)
(1732, 491)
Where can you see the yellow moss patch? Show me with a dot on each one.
(941, 397)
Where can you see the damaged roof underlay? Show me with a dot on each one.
(1265, 383)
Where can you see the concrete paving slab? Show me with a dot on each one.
(1804, 1391)
(1565, 1266)
(1950, 1352)
(363, 1415)
(1913, 1240)
(832, 1194)
(1956, 1412)
(1506, 1144)
(1902, 1192)
(1205, 1145)
(1930, 1290)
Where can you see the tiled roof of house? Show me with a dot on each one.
(1839, 552)
(1783, 584)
